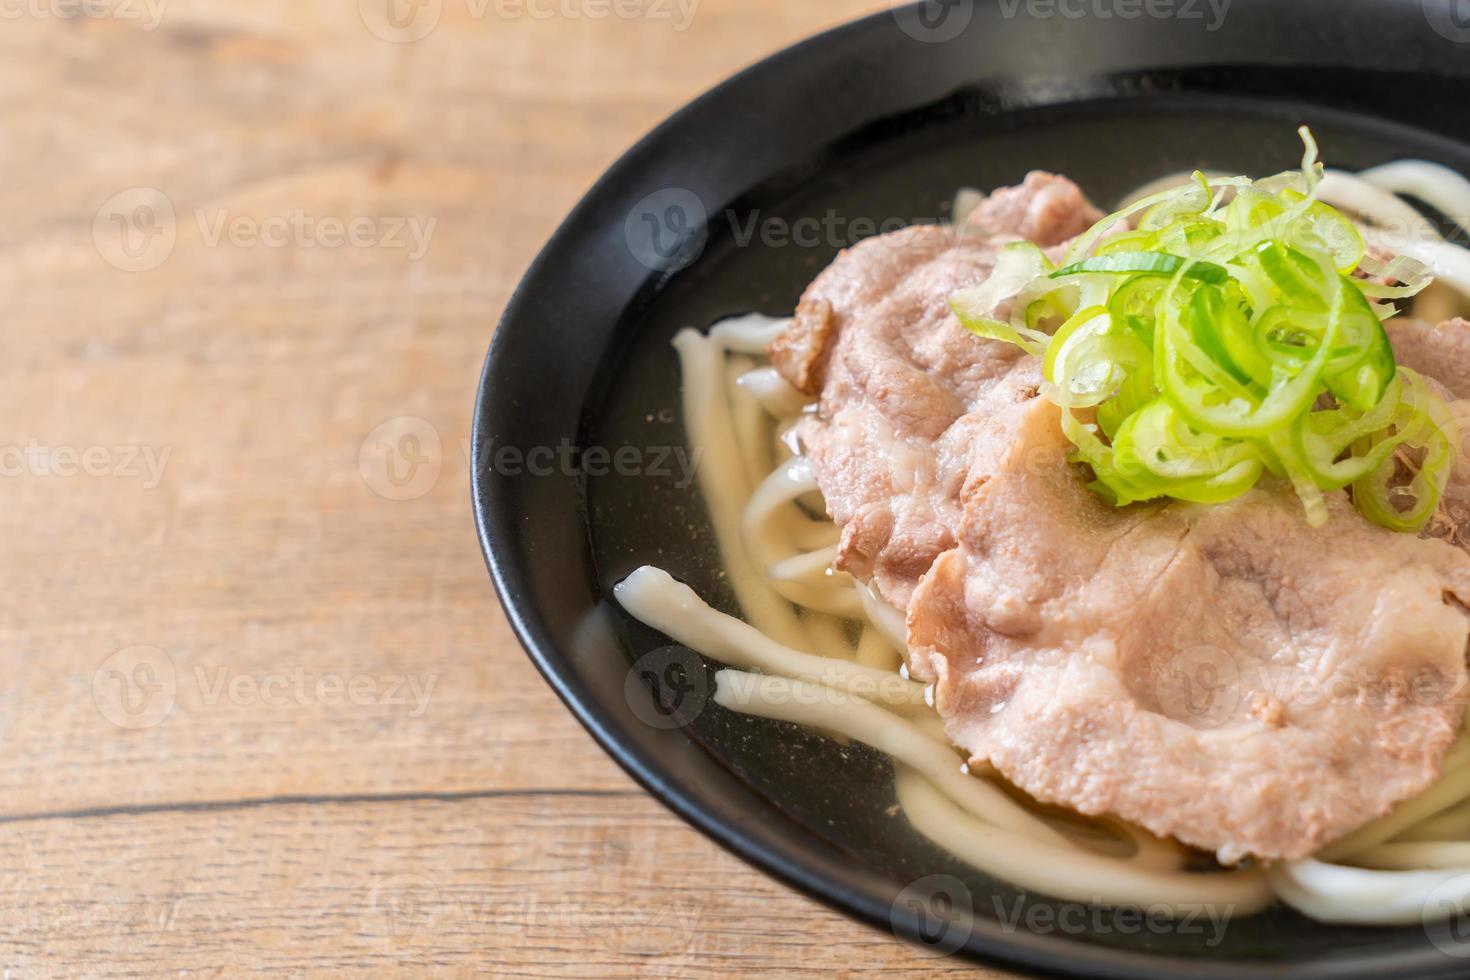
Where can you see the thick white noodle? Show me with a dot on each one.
(1399, 875)
(750, 334)
(804, 566)
(876, 650)
(1444, 189)
(1072, 874)
(1394, 225)
(1453, 786)
(766, 529)
(817, 706)
(722, 480)
(1451, 825)
(886, 619)
(1355, 195)
(1410, 856)
(670, 606)
(966, 200)
(829, 638)
(750, 421)
(1333, 893)
(777, 396)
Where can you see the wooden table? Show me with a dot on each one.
(262, 710)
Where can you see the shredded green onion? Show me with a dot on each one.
(1215, 333)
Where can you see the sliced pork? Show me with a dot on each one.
(903, 386)
(1226, 675)
(1442, 354)
(1044, 208)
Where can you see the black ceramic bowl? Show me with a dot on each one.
(733, 205)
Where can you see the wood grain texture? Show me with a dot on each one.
(214, 598)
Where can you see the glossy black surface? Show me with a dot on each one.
(859, 129)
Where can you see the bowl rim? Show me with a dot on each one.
(1050, 955)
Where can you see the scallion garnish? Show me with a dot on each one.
(1221, 336)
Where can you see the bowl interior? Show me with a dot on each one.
(819, 813)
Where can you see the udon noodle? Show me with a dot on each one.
(820, 649)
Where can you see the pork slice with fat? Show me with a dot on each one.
(903, 387)
(1442, 354)
(1226, 675)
